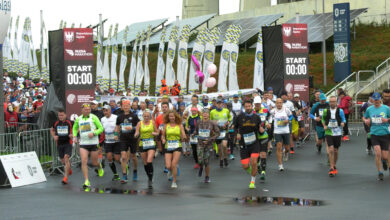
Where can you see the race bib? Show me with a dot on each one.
(300, 117)
(161, 127)
(332, 124)
(110, 136)
(148, 143)
(204, 133)
(320, 112)
(172, 145)
(222, 134)
(376, 120)
(336, 131)
(62, 130)
(262, 117)
(85, 127)
(249, 138)
(194, 140)
(124, 126)
(280, 123)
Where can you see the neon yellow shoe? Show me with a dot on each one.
(101, 171)
(252, 185)
(87, 186)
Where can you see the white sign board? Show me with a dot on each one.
(5, 13)
(23, 169)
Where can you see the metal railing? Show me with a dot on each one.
(359, 81)
(385, 64)
(11, 127)
(342, 84)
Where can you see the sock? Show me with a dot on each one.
(150, 171)
(263, 163)
(369, 145)
(134, 171)
(112, 166)
(253, 179)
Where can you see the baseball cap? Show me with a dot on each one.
(257, 100)
(219, 100)
(135, 99)
(194, 109)
(296, 95)
(107, 107)
(112, 100)
(205, 97)
(376, 96)
(270, 89)
(165, 97)
(322, 97)
(95, 102)
(235, 96)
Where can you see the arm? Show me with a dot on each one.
(98, 124)
(163, 134)
(342, 116)
(182, 132)
(323, 119)
(216, 132)
(137, 128)
(156, 131)
(313, 111)
(76, 127)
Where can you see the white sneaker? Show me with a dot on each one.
(174, 185)
(281, 168)
(285, 157)
(156, 154)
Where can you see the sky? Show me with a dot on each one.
(86, 12)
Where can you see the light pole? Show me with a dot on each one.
(323, 40)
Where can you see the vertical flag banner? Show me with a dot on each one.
(61, 24)
(140, 70)
(114, 61)
(15, 49)
(122, 68)
(170, 72)
(224, 61)
(99, 58)
(258, 75)
(160, 61)
(34, 69)
(7, 56)
(64, 25)
(209, 53)
(24, 50)
(146, 70)
(44, 63)
(106, 67)
(233, 47)
(79, 68)
(182, 59)
(296, 59)
(342, 41)
(197, 51)
(72, 26)
(133, 64)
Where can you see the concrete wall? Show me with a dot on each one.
(195, 8)
(376, 10)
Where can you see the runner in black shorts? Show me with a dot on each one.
(125, 125)
(248, 127)
(62, 134)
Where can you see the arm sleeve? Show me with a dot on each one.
(313, 110)
(342, 116)
(99, 125)
(366, 114)
(324, 115)
(76, 127)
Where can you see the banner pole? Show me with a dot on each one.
(323, 40)
(1, 92)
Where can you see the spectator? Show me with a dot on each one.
(175, 91)
(11, 118)
(38, 103)
(164, 88)
(345, 105)
(20, 78)
(95, 110)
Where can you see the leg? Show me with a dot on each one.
(194, 153)
(168, 160)
(279, 152)
(224, 144)
(124, 162)
(378, 157)
(67, 164)
(331, 153)
(84, 160)
(175, 161)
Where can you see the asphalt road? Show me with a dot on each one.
(303, 191)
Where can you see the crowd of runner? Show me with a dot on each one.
(122, 131)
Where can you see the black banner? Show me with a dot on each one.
(56, 60)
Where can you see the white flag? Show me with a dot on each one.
(140, 70)
(182, 59)
(133, 65)
(24, 50)
(15, 50)
(106, 66)
(223, 67)
(146, 71)
(160, 61)
(99, 60)
(7, 56)
(170, 72)
(114, 61)
(209, 53)
(44, 69)
(123, 63)
(258, 75)
(233, 48)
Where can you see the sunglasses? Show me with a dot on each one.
(85, 105)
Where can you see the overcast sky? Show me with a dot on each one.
(86, 12)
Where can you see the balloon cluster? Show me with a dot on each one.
(199, 76)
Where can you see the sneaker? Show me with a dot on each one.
(292, 151)
(231, 157)
(225, 161)
(150, 184)
(70, 172)
(384, 164)
(252, 185)
(166, 170)
(335, 170)
(319, 148)
(135, 176)
(262, 175)
(101, 172)
(380, 176)
(116, 177)
(65, 180)
(281, 168)
(221, 163)
(170, 177)
(369, 151)
(124, 179)
(331, 173)
(196, 166)
(207, 179)
(346, 138)
(86, 184)
(200, 171)
(174, 185)
(269, 151)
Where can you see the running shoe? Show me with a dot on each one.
(281, 168)
(200, 171)
(225, 161)
(369, 151)
(231, 157)
(166, 170)
(101, 172)
(262, 175)
(380, 176)
(335, 170)
(116, 177)
(331, 173)
(135, 176)
(87, 184)
(384, 164)
(124, 179)
(207, 179)
(196, 166)
(221, 163)
(174, 185)
(292, 151)
(252, 185)
(170, 177)
(346, 138)
(150, 184)
(65, 180)
(70, 172)
(269, 151)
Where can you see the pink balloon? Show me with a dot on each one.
(210, 82)
(196, 62)
(212, 69)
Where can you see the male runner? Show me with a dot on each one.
(263, 113)
(316, 114)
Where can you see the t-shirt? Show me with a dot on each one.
(125, 120)
(63, 129)
(237, 107)
(375, 115)
(160, 121)
(333, 128)
(288, 104)
(20, 79)
(279, 117)
(109, 128)
(221, 117)
(248, 126)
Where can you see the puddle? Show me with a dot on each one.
(282, 201)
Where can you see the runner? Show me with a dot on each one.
(377, 117)
(89, 127)
(125, 126)
(62, 134)
(173, 133)
(236, 104)
(248, 127)
(223, 118)
(263, 113)
(288, 104)
(280, 118)
(366, 127)
(207, 131)
(333, 120)
(232, 134)
(160, 125)
(146, 130)
(300, 109)
(111, 146)
(194, 103)
(316, 114)
(190, 126)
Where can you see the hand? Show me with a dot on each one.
(55, 138)
(318, 119)
(116, 137)
(75, 140)
(71, 136)
(269, 126)
(325, 127)
(367, 121)
(286, 121)
(342, 124)
(262, 130)
(90, 135)
(239, 137)
(385, 120)
(129, 128)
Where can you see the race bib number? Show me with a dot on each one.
(320, 112)
(85, 127)
(62, 130)
(376, 120)
(124, 127)
(332, 124)
(110, 136)
(172, 145)
(194, 140)
(148, 143)
(249, 138)
(280, 122)
(222, 135)
(336, 131)
(204, 133)
(300, 117)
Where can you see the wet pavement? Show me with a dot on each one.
(303, 191)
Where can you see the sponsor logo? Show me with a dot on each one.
(183, 53)
(197, 54)
(171, 53)
(225, 55)
(30, 170)
(25, 38)
(336, 12)
(5, 5)
(73, 117)
(69, 36)
(71, 99)
(78, 53)
(287, 31)
(16, 174)
(259, 56)
(233, 57)
(209, 55)
(288, 45)
(70, 52)
(340, 52)
(289, 87)
(295, 46)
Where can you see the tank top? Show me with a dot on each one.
(146, 131)
(173, 137)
